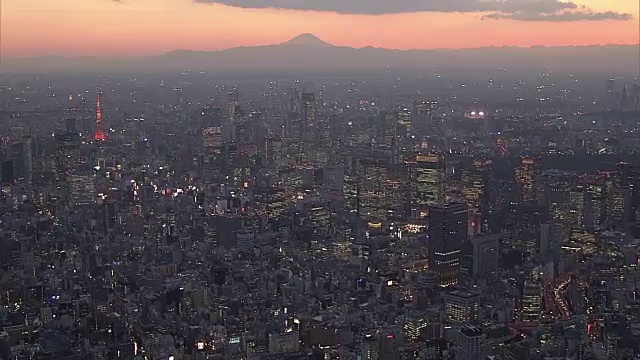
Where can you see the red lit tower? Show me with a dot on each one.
(99, 133)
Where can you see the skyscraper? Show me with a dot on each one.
(531, 306)
(428, 177)
(474, 191)
(527, 177)
(486, 254)
(447, 233)
(308, 109)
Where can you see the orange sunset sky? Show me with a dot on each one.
(144, 27)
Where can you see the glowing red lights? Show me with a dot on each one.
(99, 133)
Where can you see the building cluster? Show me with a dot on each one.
(288, 223)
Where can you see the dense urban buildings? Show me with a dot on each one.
(441, 215)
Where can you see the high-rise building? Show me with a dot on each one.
(475, 182)
(381, 191)
(428, 174)
(576, 207)
(628, 177)
(618, 205)
(551, 238)
(486, 254)
(351, 194)
(462, 307)
(527, 177)
(531, 305)
(308, 110)
(469, 345)
(447, 233)
(233, 103)
(82, 190)
(404, 121)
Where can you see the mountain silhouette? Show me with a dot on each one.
(308, 53)
(306, 40)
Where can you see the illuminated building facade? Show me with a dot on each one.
(413, 326)
(576, 207)
(233, 104)
(531, 304)
(270, 203)
(351, 194)
(308, 102)
(527, 177)
(82, 190)
(474, 190)
(447, 233)
(462, 307)
(618, 204)
(404, 122)
(427, 175)
(381, 191)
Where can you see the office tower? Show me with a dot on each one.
(272, 149)
(427, 175)
(404, 121)
(447, 232)
(617, 207)
(413, 326)
(381, 192)
(595, 205)
(82, 190)
(475, 182)
(351, 195)
(486, 254)
(551, 239)
(245, 241)
(469, 346)
(386, 132)
(527, 177)
(558, 201)
(270, 204)
(461, 307)
(531, 303)
(308, 110)
(576, 207)
(628, 177)
(233, 104)
(99, 134)
(212, 142)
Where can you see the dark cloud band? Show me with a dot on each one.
(546, 10)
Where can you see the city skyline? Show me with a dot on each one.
(145, 27)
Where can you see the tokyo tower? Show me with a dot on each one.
(99, 133)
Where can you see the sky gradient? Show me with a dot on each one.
(147, 27)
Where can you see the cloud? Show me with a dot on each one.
(561, 16)
(547, 10)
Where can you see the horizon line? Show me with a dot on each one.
(285, 43)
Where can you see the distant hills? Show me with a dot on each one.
(307, 52)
